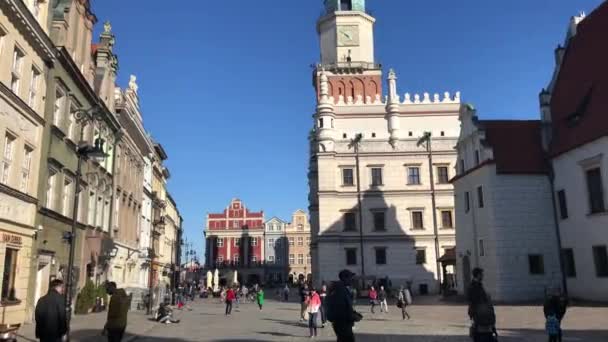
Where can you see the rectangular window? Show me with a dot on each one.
(477, 158)
(300, 259)
(254, 258)
(220, 242)
(270, 227)
(595, 190)
(291, 241)
(563, 205)
(600, 258)
(482, 251)
(16, 70)
(480, 196)
(351, 256)
(71, 124)
(376, 176)
(442, 175)
(536, 263)
(308, 240)
(446, 219)
(236, 259)
(271, 243)
(68, 186)
(26, 167)
(237, 242)
(292, 259)
(271, 259)
(279, 242)
(300, 241)
(308, 259)
(380, 255)
(254, 242)
(350, 223)
(58, 106)
(7, 158)
(9, 274)
(467, 202)
(420, 256)
(220, 258)
(33, 93)
(347, 177)
(417, 222)
(300, 227)
(50, 189)
(379, 220)
(569, 265)
(413, 175)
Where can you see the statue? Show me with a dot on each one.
(107, 28)
(133, 83)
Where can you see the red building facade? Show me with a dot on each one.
(235, 241)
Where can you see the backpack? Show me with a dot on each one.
(484, 314)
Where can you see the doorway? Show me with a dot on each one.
(43, 276)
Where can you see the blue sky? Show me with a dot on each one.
(226, 87)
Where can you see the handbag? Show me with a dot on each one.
(400, 304)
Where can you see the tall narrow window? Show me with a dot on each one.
(569, 264)
(600, 258)
(351, 256)
(595, 190)
(346, 5)
(71, 123)
(220, 242)
(300, 259)
(417, 221)
(376, 176)
(16, 70)
(467, 202)
(379, 220)
(308, 259)
(446, 219)
(413, 175)
(67, 196)
(482, 250)
(7, 158)
(300, 241)
(480, 196)
(292, 259)
(237, 242)
(26, 168)
(58, 107)
(9, 275)
(461, 166)
(33, 93)
(350, 223)
(442, 175)
(536, 264)
(347, 177)
(271, 243)
(477, 158)
(291, 241)
(563, 204)
(380, 255)
(420, 256)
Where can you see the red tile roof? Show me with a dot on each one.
(579, 103)
(94, 49)
(517, 145)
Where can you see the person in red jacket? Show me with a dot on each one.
(230, 297)
(373, 298)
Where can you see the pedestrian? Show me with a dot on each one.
(555, 308)
(286, 293)
(340, 310)
(303, 297)
(313, 307)
(373, 298)
(481, 310)
(323, 296)
(50, 314)
(230, 297)
(116, 323)
(382, 299)
(260, 297)
(237, 296)
(403, 302)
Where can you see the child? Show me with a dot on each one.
(260, 297)
(552, 327)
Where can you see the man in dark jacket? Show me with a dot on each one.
(116, 323)
(340, 308)
(480, 310)
(51, 324)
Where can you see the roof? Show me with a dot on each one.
(579, 103)
(517, 145)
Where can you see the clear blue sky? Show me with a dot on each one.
(226, 87)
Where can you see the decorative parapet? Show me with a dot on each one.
(426, 98)
(408, 99)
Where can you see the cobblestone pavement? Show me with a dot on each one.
(431, 321)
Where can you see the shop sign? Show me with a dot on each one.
(12, 239)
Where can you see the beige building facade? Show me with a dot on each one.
(297, 234)
(405, 223)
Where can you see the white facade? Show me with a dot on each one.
(145, 229)
(509, 225)
(581, 230)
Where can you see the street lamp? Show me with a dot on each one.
(426, 141)
(354, 143)
(84, 152)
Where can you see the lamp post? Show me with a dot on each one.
(354, 143)
(84, 151)
(426, 141)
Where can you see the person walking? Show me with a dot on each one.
(230, 297)
(382, 299)
(116, 323)
(286, 293)
(340, 310)
(554, 309)
(260, 297)
(323, 296)
(50, 314)
(313, 307)
(373, 298)
(481, 310)
(403, 302)
(303, 296)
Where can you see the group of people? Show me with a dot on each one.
(51, 320)
(234, 295)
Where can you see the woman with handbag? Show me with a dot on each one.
(313, 304)
(403, 302)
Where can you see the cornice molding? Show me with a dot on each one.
(17, 194)
(21, 104)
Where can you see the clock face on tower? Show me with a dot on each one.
(348, 35)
